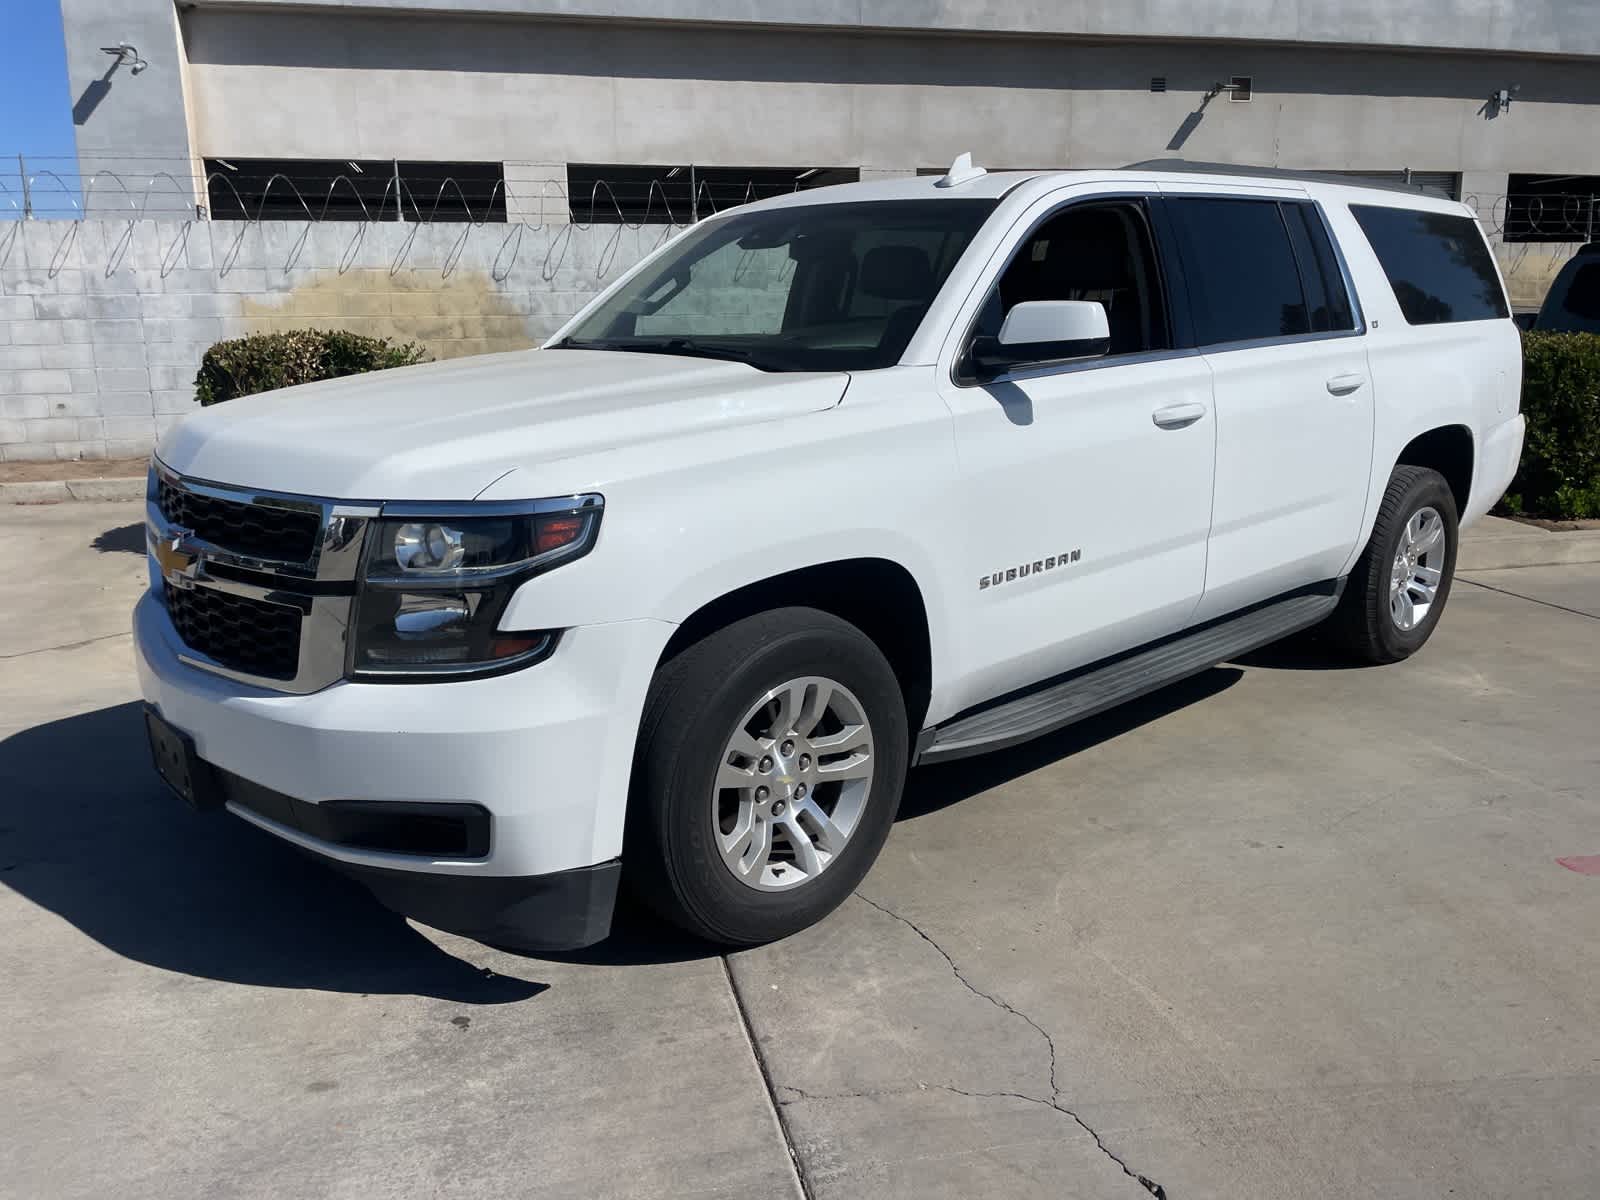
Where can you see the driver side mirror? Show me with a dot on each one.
(1039, 332)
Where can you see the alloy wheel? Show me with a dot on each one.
(793, 781)
(1418, 569)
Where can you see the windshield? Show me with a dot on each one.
(815, 287)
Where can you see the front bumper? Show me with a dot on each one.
(564, 910)
(546, 750)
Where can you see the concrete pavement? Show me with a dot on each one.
(1495, 543)
(1287, 930)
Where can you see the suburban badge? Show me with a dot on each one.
(1023, 570)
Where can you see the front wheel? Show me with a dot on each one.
(768, 771)
(1397, 591)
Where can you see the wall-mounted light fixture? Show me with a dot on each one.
(126, 54)
(1238, 87)
(1500, 102)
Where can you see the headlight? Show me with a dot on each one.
(437, 580)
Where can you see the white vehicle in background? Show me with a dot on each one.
(829, 485)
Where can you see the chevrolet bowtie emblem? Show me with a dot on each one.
(176, 556)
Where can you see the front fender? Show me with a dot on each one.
(755, 504)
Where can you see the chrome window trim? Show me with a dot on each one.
(1075, 365)
(1287, 339)
(1356, 309)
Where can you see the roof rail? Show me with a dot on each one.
(1183, 166)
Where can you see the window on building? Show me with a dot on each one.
(618, 193)
(1240, 267)
(1552, 208)
(1438, 264)
(1100, 252)
(288, 189)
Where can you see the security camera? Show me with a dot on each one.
(125, 52)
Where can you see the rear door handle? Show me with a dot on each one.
(1343, 385)
(1178, 416)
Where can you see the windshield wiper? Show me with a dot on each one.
(687, 347)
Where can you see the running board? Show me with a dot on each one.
(1097, 688)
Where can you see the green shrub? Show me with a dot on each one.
(1560, 471)
(264, 361)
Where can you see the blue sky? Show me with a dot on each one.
(35, 102)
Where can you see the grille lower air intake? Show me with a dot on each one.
(250, 636)
(257, 530)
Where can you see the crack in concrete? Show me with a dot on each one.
(1489, 587)
(105, 637)
(802, 1181)
(801, 1096)
(1144, 1181)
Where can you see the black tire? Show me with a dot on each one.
(1362, 625)
(695, 703)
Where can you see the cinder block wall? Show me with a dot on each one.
(103, 322)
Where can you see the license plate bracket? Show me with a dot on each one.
(181, 768)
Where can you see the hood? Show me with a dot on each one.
(445, 431)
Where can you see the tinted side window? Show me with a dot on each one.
(1437, 263)
(1241, 271)
(1326, 297)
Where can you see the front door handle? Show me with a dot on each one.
(1178, 416)
(1343, 385)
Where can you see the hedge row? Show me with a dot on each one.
(264, 361)
(1560, 471)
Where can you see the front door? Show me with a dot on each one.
(1087, 483)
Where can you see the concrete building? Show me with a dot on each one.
(1487, 98)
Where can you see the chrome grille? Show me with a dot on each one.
(242, 634)
(258, 585)
(265, 531)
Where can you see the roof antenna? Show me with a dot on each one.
(961, 171)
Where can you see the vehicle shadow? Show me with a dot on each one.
(638, 937)
(931, 788)
(125, 539)
(1308, 651)
(88, 833)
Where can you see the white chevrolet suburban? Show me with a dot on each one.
(827, 486)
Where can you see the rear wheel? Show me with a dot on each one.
(1397, 591)
(768, 772)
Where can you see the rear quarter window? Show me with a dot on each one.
(1437, 263)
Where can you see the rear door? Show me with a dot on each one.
(1279, 327)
